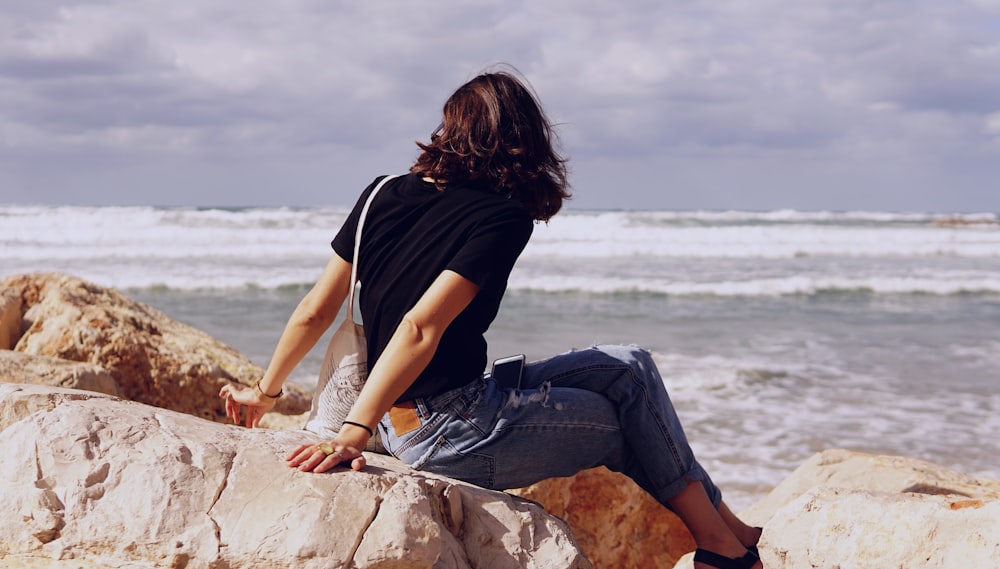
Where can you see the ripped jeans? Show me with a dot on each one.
(605, 405)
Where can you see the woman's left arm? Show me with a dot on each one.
(311, 318)
(408, 352)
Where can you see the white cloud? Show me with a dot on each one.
(988, 5)
(992, 125)
(770, 80)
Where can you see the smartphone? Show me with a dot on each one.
(507, 371)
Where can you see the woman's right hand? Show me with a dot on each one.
(324, 456)
(237, 397)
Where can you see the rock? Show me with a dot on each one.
(850, 509)
(91, 481)
(832, 527)
(616, 523)
(852, 470)
(16, 367)
(10, 319)
(152, 358)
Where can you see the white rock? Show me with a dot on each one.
(88, 480)
(855, 529)
(840, 468)
(851, 510)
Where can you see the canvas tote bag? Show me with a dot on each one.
(345, 366)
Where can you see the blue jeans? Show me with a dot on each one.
(603, 406)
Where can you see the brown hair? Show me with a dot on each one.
(494, 132)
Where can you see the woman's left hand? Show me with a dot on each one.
(237, 398)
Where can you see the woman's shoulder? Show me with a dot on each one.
(488, 204)
(470, 202)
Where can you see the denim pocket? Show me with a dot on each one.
(443, 458)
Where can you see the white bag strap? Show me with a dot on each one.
(357, 244)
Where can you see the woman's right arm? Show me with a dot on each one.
(307, 324)
(408, 352)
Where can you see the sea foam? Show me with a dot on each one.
(674, 253)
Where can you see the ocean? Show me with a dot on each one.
(778, 334)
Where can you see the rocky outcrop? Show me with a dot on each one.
(16, 367)
(850, 470)
(10, 318)
(617, 524)
(152, 358)
(89, 480)
(831, 527)
(850, 509)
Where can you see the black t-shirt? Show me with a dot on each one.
(412, 233)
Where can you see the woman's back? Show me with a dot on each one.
(413, 232)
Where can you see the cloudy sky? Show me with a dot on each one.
(666, 104)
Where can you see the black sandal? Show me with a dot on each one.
(721, 562)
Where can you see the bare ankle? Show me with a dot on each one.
(723, 545)
(751, 536)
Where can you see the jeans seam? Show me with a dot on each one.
(589, 367)
(646, 401)
(563, 426)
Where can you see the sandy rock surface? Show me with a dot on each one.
(833, 527)
(17, 367)
(851, 509)
(10, 318)
(89, 480)
(617, 524)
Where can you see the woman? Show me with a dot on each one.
(437, 249)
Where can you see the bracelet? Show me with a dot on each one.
(261, 391)
(371, 433)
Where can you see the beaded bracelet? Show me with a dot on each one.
(371, 433)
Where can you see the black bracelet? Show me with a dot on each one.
(278, 396)
(371, 433)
